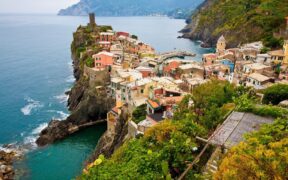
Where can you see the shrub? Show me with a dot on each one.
(89, 62)
(275, 94)
(139, 114)
(79, 50)
(105, 28)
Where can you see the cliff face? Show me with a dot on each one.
(108, 143)
(239, 21)
(88, 104)
(129, 7)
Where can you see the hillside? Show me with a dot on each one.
(239, 21)
(131, 7)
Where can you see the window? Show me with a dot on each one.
(142, 91)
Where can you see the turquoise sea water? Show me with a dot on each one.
(36, 70)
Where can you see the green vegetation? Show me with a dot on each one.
(171, 142)
(105, 28)
(166, 149)
(139, 114)
(246, 103)
(89, 62)
(262, 156)
(79, 50)
(134, 37)
(243, 21)
(275, 94)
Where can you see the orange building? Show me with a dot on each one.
(103, 59)
(170, 67)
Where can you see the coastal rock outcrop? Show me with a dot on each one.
(6, 168)
(88, 100)
(91, 110)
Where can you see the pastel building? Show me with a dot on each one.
(103, 59)
(281, 55)
(107, 36)
(209, 59)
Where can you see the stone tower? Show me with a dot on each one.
(285, 48)
(221, 45)
(92, 22)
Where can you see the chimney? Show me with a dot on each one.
(92, 22)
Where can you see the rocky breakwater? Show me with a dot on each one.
(7, 158)
(88, 101)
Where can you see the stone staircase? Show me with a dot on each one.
(212, 164)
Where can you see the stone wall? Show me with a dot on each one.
(132, 129)
(96, 76)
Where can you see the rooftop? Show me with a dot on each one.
(256, 66)
(153, 104)
(277, 53)
(221, 39)
(259, 77)
(190, 66)
(235, 126)
(107, 33)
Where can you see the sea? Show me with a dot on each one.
(36, 71)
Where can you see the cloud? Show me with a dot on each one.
(34, 6)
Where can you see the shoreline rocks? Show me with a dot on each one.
(6, 164)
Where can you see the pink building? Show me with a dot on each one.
(103, 59)
(122, 34)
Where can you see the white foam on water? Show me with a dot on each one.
(70, 79)
(61, 115)
(31, 105)
(63, 98)
(30, 141)
(37, 130)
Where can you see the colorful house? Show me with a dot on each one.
(145, 71)
(103, 59)
(107, 36)
(209, 59)
(281, 55)
(171, 67)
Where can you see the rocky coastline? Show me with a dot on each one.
(7, 157)
(87, 104)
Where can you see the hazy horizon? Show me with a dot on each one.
(34, 6)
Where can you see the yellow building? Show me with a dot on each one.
(285, 48)
(221, 45)
(280, 56)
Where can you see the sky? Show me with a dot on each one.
(34, 6)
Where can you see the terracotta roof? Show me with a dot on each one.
(154, 104)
